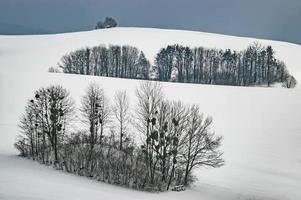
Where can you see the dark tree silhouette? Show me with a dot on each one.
(109, 22)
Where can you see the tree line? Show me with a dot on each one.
(257, 65)
(115, 61)
(175, 138)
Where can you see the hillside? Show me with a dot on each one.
(261, 126)
(42, 49)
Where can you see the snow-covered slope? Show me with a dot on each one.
(261, 126)
(42, 51)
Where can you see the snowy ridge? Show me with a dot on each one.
(261, 126)
(149, 40)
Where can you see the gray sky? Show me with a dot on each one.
(273, 19)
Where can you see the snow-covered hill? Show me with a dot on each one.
(42, 51)
(261, 126)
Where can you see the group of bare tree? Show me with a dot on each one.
(177, 138)
(256, 65)
(174, 138)
(114, 61)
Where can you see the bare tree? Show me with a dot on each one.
(121, 112)
(96, 112)
(289, 82)
(57, 109)
(91, 110)
(106, 114)
(47, 114)
(26, 140)
(149, 95)
(199, 146)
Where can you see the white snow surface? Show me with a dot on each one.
(261, 126)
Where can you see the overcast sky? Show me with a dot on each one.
(273, 19)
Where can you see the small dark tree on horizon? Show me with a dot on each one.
(109, 22)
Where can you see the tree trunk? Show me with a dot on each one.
(170, 177)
